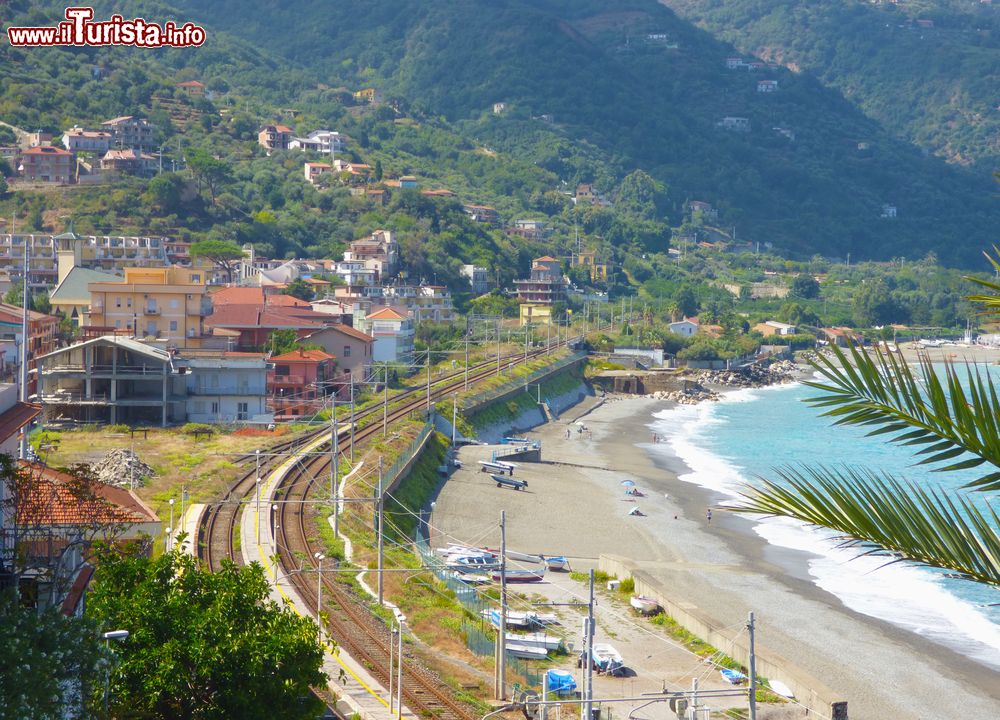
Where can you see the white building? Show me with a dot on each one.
(393, 333)
(226, 387)
(686, 327)
(321, 141)
(478, 278)
(77, 139)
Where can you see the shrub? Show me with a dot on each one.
(198, 428)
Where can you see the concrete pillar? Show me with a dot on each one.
(165, 378)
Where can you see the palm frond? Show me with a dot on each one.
(937, 417)
(881, 515)
(988, 304)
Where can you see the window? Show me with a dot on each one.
(242, 411)
(282, 370)
(118, 301)
(118, 323)
(215, 408)
(128, 302)
(195, 277)
(173, 326)
(347, 351)
(173, 303)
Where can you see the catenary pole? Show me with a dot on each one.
(753, 668)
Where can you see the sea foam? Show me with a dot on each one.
(913, 598)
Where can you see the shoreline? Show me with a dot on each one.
(882, 670)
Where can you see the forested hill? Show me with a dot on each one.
(927, 69)
(628, 84)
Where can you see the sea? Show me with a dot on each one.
(750, 432)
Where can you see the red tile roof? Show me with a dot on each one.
(46, 150)
(56, 498)
(279, 300)
(269, 316)
(238, 296)
(346, 330)
(303, 356)
(386, 313)
(190, 84)
(16, 418)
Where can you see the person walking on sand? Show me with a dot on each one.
(708, 515)
(567, 433)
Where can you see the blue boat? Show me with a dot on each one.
(560, 682)
(735, 677)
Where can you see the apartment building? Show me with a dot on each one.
(132, 132)
(47, 163)
(225, 387)
(167, 304)
(77, 139)
(545, 287)
(393, 332)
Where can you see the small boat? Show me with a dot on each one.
(473, 579)
(560, 682)
(518, 556)
(518, 619)
(549, 642)
(473, 563)
(779, 688)
(734, 677)
(606, 659)
(645, 605)
(518, 576)
(556, 563)
(528, 652)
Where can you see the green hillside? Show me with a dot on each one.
(928, 69)
(639, 103)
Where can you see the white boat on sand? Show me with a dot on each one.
(518, 576)
(549, 642)
(645, 605)
(528, 652)
(780, 688)
(556, 563)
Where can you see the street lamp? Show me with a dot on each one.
(171, 530)
(319, 586)
(120, 636)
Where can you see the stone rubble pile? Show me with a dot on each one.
(121, 468)
(749, 376)
(690, 396)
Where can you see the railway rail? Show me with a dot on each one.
(348, 621)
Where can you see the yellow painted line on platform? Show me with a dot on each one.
(274, 477)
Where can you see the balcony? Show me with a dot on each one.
(296, 380)
(151, 311)
(226, 390)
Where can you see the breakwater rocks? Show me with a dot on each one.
(691, 395)
(750, 376)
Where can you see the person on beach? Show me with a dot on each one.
(708, 515)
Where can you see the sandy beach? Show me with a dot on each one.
(575, 506)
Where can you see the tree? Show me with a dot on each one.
(300, 289)
(805, 286)
(208, 171)
(224, 254)
(873, 304)
(165, 191)
(687, 301)
(280, 342)
(203, 644)
(3, 185)
(949, 424)
(50, 663)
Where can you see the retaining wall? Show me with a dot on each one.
(808, 690)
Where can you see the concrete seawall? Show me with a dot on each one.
(808, 690)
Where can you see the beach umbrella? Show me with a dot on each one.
(628, 483)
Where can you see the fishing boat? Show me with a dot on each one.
(528, 652)
(518, 619)
(473, 563)
(518, 576)
(780, 688)
(556, 563)
(519, 556)
(606, 660)
(549, 642)
(645, 605)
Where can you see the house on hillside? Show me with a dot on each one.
(889, 211)
(773, 327)
(482, 213)
(76, 139)
(130, 131)
(274, 137)
(320, 141)
(194, 89)
(767, 86)
(129, 161)
(45, 163)
(686, 327)
(544, 287)
(529, 229)
(372, 96)
(734, 124)
(315, 170)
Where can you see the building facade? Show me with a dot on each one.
(46, 163)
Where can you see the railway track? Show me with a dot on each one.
(349, 622)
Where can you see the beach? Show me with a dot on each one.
(575, 506)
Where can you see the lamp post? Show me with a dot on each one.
(170, 531)
(257, 454)
(320, 557)
(120, 636)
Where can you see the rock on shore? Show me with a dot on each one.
(750, 376)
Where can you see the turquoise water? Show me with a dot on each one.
(751, 432)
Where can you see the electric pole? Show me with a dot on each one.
(753, 668)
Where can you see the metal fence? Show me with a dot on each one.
(396, 469)
(477, 632)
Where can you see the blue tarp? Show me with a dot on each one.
(560, 682)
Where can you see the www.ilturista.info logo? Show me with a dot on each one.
(80, 30)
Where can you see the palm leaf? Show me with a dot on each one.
(988, 304)
(936, 416)
(881, 515)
